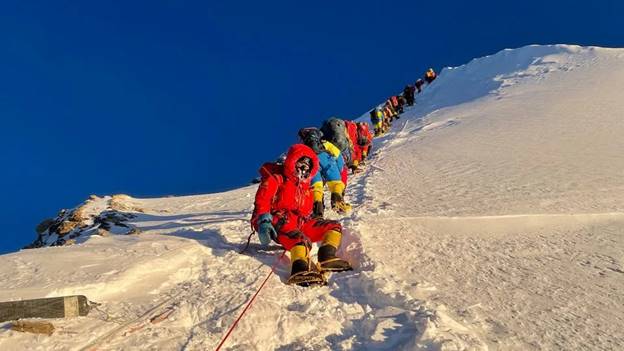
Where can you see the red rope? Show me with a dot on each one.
(250, 302)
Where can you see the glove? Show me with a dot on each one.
(266, 232)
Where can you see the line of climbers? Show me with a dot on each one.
(383, 115)
(289, 206)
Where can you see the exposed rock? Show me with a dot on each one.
(66, 227)
(96, 216)
(134, 231)
(78, 215)
(114, 217)
(73, 235)
(44, 225)
(55, 226)
(102, 232)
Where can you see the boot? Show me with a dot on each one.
(299, 266)
(327, 258)
(300, 272)
(318, 209)
(339, 205)
(355, 169)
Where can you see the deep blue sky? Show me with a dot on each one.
(181, 97)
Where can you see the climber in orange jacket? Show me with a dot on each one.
(430, 75)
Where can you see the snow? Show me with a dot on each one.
(490, 218)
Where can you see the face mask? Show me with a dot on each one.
(302, 169)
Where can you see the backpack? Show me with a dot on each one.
(335, 131)
(374, 116)
(312, 138)
(271, 169)
(362, 139)
(267, 170)
(394, 101)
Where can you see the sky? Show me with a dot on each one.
(155, 98)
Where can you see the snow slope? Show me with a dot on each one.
(490, 218)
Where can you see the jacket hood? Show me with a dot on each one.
(296, 152)
(364, 126)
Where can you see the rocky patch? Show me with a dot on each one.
(96, 216)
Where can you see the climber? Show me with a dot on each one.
(419, 83)
(401, 103)
(356, 149)
(331, 164)
(282, 210)
(334, 131)
(430, 75)
(365, 139)
(408, 94)
(386, 122)
(389, 114)
(376, 117)
(394, 102)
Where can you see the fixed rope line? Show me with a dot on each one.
(240, 316)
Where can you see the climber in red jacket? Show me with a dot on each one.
(365, 139)
(356, 149)
(283, 209)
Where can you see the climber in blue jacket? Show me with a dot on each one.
(331, 165)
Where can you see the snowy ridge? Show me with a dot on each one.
(489, 218)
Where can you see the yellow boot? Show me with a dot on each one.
(338, 204)
(327, 258)
(300, 272)
(319, 207)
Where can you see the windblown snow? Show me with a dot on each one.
(491, 217)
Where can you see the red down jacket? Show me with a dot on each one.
(282, 194)
(364, 133)
(353, 136)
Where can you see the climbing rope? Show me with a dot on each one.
(240, 316)
(95, 306)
